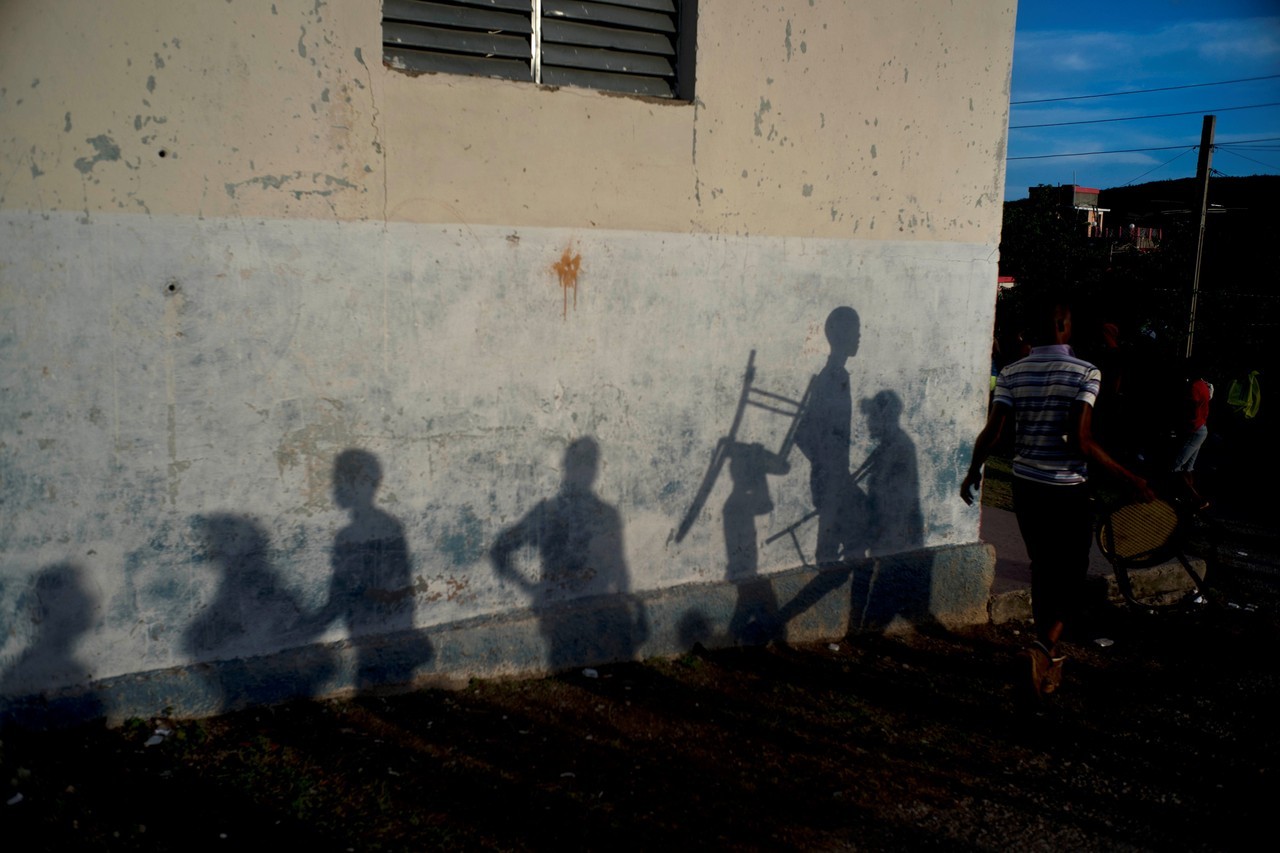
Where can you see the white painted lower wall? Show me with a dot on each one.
(174, 393)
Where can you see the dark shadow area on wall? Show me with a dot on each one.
(755, 616)
(884, 518)
(62, 608)
(894, 521)
(371, 589)
(750, 465)
(825, 435)
(252, 612)
(582, 595)
(871, 512)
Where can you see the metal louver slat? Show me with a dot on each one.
(605, 60)
(454, 41)
(602, 13)
(453, 63)
(667, 6)
(388, 6)
(564, 32)
(466, 17)
(630, 84)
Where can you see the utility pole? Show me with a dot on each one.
(1202, 181)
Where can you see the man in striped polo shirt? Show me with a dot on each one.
(1050, 394)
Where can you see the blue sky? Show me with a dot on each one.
(1083, 47)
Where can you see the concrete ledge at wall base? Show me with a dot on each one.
(1155, 585)
(948, 586)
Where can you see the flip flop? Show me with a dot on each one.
(1053, 676)
(1046, 670)
(1041, 663)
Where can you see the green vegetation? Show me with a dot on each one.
(997, 483)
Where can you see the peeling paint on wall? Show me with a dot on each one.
(463, 541)
(106, 151)
(765, 107)
(325, 185)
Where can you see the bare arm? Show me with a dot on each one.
(997, 420)
(1082, 435)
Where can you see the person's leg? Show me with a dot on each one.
(1056, 525)
(1186, 458)
(1071, 557)
(1053, 544)
(1185, 464)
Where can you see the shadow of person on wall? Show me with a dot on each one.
(371, 589)
(750, 464)
(583, 598)
(252, 614)
(755, 617)
(894, 521)
(888, 521)
(62, 609)
(824, 436)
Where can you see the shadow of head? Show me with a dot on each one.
(844, 331)
(581, 462)
(232, 540)
(882, 413)
(61, 605)
(356, 476)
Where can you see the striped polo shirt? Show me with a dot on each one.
(1041, 389)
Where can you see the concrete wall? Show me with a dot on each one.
(301, 352)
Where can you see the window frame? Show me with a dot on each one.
(612, 46)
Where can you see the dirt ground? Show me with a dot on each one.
(1165, 739)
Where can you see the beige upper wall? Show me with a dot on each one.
(878, 119)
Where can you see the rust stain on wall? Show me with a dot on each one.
(567, 268)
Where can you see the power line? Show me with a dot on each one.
(1246, 141)
(1250, 159)
(1157, 168)
(1235, 142)
(1093, 153)
(1141, 91)
(1137, 118)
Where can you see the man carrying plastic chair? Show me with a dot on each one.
(1050, 394)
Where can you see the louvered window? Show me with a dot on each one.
(641, 47)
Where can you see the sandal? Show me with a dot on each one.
(1046, 669)
(1053, 676)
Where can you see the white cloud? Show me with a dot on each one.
(1057, 60)
(1256, 40)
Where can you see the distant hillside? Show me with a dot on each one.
(1238, 304)
(1249, 201)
